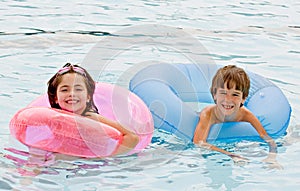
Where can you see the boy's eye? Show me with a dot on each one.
(236, 94)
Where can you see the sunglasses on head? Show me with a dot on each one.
(69, 67)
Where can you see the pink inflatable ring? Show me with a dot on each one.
(54, 130)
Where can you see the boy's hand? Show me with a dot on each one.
(239, 160)
(272, 162)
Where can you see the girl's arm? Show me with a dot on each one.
(130, 139)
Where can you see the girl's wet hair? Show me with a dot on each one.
(231, 75)
(57, 78)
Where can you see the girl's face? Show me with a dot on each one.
(228, 101)
(71, 93)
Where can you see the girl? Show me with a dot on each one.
(71, 89)
(230, 88)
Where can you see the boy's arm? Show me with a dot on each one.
(251, 118)
(202, 131)
(271, 158)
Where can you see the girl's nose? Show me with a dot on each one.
(71, 93)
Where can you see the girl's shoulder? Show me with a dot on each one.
(92, 115)
(88, 112)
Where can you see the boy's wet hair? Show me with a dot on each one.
(231, 75)
(57, 78)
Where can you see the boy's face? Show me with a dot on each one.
(228, 101)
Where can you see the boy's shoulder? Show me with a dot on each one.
(208, 110)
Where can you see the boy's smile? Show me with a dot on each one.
(228, 102)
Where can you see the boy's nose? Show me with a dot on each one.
(228, 97)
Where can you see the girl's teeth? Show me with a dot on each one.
(71, 102)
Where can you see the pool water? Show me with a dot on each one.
(113, 39)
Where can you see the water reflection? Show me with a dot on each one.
(35, 40)
(174, 158)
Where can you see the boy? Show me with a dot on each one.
(230, 88)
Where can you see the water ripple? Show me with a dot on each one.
(262, 36)
(41, 31)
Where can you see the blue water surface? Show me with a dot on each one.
(38, 37)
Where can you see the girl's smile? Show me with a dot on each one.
(72, 93)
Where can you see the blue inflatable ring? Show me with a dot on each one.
(166, 89)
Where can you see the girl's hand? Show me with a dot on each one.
(130, 138)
